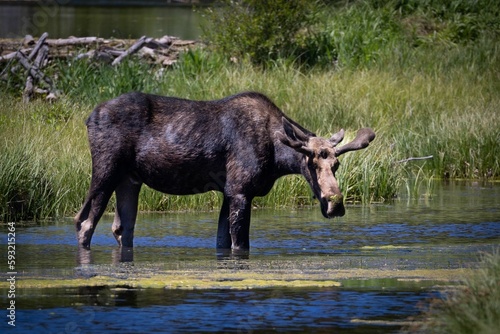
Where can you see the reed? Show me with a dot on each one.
(45, 163)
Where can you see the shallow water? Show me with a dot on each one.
(149, 311)
(444, 231)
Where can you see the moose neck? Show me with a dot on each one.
(288, 161)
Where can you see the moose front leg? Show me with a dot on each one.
(239, 222)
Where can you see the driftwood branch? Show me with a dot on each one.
(75, 41)
(41, 56)
(38, 45)
(10, 56)
(162, 50)
(413, 158)
(33, 70)
(133, 49)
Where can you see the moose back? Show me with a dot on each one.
(238, 145)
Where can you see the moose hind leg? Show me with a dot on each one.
(127, 197)
(88, 217)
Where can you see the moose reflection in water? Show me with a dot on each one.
(239, 145)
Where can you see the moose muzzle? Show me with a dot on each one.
(332, 206)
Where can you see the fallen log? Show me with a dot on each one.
(76, 41)
(33, 70)
(11, 55)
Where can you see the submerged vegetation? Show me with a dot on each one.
(423, 74)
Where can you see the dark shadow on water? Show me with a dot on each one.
(118, 255)
(233, 259)
(123, 254)
(229, 254)
(83, 256)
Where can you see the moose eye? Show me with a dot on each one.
(323, 154)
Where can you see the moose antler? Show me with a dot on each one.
(363, 138)
(337, 138)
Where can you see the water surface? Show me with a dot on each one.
(118, 22)
(444, 231)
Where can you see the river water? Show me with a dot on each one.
(445, 230)
(119, 22)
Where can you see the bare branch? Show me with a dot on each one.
(38, 45)
(133, 49)
(33, 70)
(413, 158)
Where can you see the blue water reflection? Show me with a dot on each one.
(161, 311)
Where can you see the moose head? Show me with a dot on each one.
(320, 162)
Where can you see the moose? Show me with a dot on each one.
(239, 145)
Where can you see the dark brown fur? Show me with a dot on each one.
(238, 145)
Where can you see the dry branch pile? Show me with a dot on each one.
(33, 55)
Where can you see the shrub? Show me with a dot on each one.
(264, 31)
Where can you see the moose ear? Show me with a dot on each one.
(294, 137)
(362, 140)
(293, 131)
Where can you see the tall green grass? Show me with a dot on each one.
(44, 166)
(423, 95)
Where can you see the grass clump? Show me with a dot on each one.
(24, 185)
(471, 308)
(45, 165)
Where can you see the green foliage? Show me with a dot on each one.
(44, 170)
(455, 21)
(195, 62)
(360, 34)
(264, 31)
(347, 34)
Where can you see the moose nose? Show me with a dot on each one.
(335, 206)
